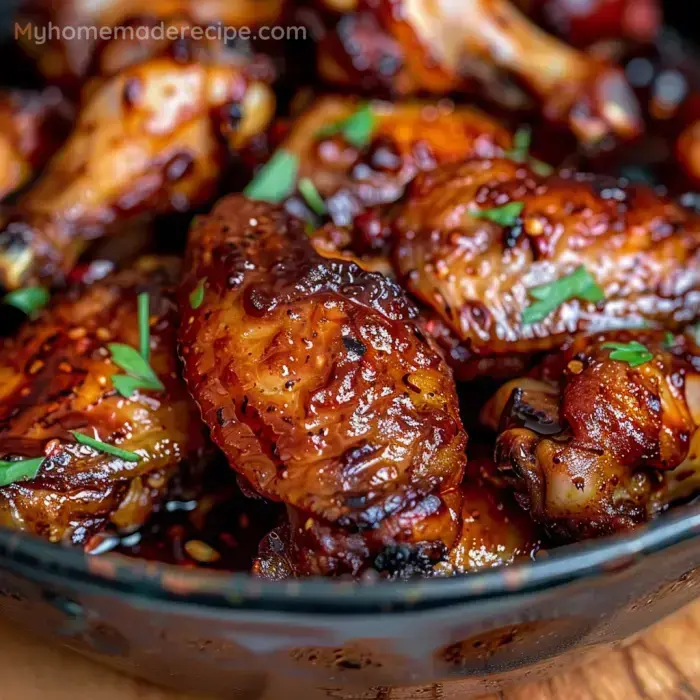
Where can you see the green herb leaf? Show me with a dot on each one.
(104, 447)
(29, 300)
(669, 340)
(521, 144)
(275, 181)
(540, 167)
(311, 195)
(580, 284)
(23, 470)
(197, 296)
(139, 374)
(507, 215)
(633, 353)
(520, 153)
(144, 315)
(357, 129)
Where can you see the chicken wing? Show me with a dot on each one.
(321, 389)
(513, 262)
(32, 126)
(605, 435)
(56, 377)
(410, 46)
(494, 530)
(149, 141)
(66, 61)
(401, 141)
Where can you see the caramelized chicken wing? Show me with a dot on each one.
(403, 139)
(494, 530)
(321, 389)
(412, 46)
(56, 377)
(501, 253)
(149, 141)
(605, 434)
(32, 125)
(65, 61)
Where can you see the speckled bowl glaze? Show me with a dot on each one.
(240, 637)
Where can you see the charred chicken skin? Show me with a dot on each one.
(148, 141)
(413, 46)
(605, 434)
(31, 127)
(499, 253)
(320, 387)
(405, 139)
(56, 378)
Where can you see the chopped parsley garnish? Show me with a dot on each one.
(139, 373)
(104, 447)
(633, 353)
(669, 340)
(275, 181)
(520, 153)
(311, 195)
(22, 470)
(507, 215)
(197, 296)
(144, 316)
(29, 300)
(580, 284)
(357, 129)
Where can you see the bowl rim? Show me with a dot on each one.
(118, 574)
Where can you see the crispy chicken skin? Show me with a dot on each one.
(477, 275)
(442, 46)
(493, 531)
(594, 445)
(64, 61)
(31, 127)
(148, 141)
(321, 389)
(55, 376)
(407, 138)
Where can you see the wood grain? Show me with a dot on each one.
(662, 664)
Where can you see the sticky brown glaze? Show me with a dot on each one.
(55, 376)
(494, 530)
(322, 391)
(32, 125)
(148, 141)
(593, 445)
(413, 46)
(68, 62)
(643, 251)
(408, 138)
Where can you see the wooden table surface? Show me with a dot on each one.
(663, 664)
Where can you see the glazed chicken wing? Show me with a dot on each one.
(32, 124)
(442, 46)
(321, 389)
(605, 435)
(66, 61)
(56, 377)
(494, 530)
(513, 262)
(402, 140)
(148, 141)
